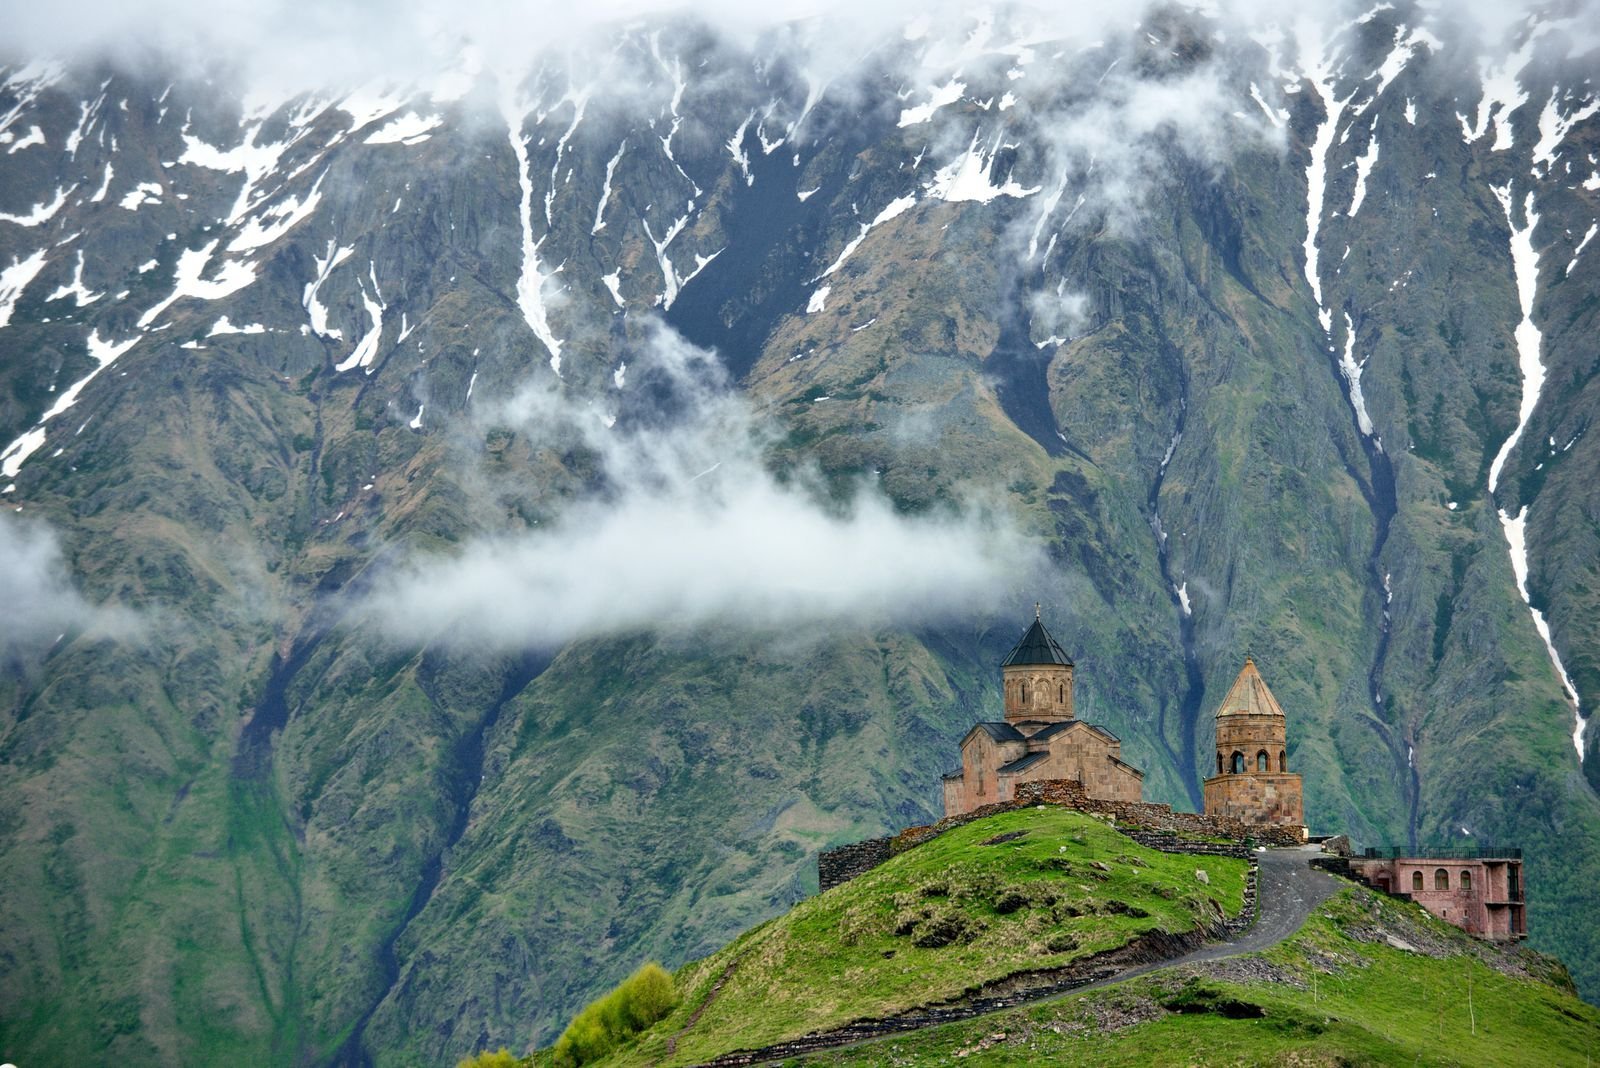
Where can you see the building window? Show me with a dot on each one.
(1263, 762)
(1283, 761)
(1441, 879)
(1416, 882)
(1219, 762)
(1466, 880)
(1238, 762)
(1061, 695)
(1024, 693)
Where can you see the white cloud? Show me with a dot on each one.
(692, 530)
(40, 598)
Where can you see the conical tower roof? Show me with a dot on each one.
(1249, 695)
(1037, 647)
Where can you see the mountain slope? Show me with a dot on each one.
(1064, 347)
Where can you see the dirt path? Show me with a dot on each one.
(1288, 888)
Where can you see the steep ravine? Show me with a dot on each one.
(466, 772)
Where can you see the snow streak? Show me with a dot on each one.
(1525, 264)
(530, 286)
(17, 453)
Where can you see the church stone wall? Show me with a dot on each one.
(1089, 760)
(1257, 798)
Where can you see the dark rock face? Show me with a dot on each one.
(311, 842)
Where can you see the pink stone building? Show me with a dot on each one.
(1479, 891)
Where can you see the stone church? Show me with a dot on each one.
(1039, 738)
(1042, 739)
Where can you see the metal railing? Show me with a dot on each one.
(1469, 852)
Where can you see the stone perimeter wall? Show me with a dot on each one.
(1158, 822)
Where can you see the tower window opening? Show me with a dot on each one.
(1219, 762)
(1283, 761)
(1061, 696)
(1238, 762)
(1263, 762)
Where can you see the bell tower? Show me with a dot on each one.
(1037, 678)
(1253, 782)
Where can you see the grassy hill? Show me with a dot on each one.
(1337, 993)
(1367, 980)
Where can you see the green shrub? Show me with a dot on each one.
(500, 1058)
(643, 998)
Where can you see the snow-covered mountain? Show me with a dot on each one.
(473, 531)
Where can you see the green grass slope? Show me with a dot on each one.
(1016, 892)
(1367, 980)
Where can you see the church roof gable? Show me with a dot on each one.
(1022, 763)
(1037, 647)
(1249, 695)
(1000, 732)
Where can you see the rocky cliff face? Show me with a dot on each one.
(469, 538)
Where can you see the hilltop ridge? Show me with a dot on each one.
(934, 947)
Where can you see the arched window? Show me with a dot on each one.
(1061, 696)
(1466, 880)
(1441, 879)
(1238, 762)
(1263, 762)
(1024, 693)
(1283, 761)
(1416, 882)
(1219, 762)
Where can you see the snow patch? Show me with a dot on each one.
(416, 422)
(938, 96)
(189, 280)
(605, 191)
(105, 184)
(1351, 370)
(1516, 529)
(1277, 116)
(613, 283)
(408, 129)
(898, 206)
(1581, 246)
(369, 104)
(223, 326)
(366, 349)
(1320, 77)
(1364, 164)
(77, 290)
(1554, 127)
(34, 136)
(1525, 266)
(735, 148)
(1502, 94)
(42, 213)
(277, 220)
(308, 299)
(967, 177)
(140, 195)
(530, 284)
(104, 353)
(15, 279)
(819, 300)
